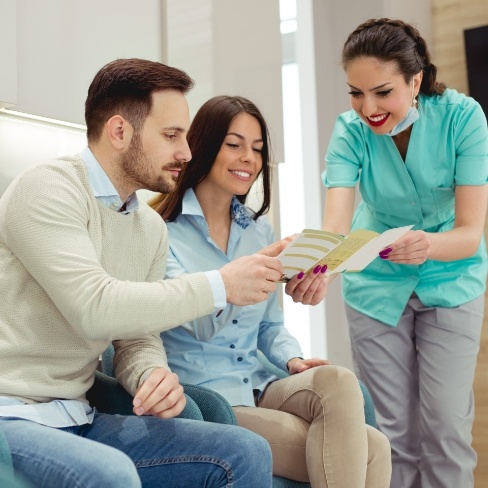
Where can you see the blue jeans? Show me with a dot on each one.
(133, 451)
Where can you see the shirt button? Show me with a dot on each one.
(413, 204)
(232, 346)
(234, 321)
(245, 380)
(239, 359)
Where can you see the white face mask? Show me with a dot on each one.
(411, 117)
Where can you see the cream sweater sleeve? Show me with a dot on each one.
(47, 219)
(135, 359)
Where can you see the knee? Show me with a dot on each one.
(336, 380)
(254, 450)
(378, 445)
(379, 452)
(118, 471)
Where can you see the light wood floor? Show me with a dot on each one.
(480, 428)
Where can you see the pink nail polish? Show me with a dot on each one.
(317, 269)
(385, 252)
(300, 275)
(324, 268)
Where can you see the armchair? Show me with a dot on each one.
(213, 406)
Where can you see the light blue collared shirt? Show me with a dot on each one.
(102, 187)
(220, 352)
(66, 413)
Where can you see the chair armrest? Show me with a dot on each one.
(108, 396)
(213, 406)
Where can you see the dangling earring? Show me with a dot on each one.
(414, 102)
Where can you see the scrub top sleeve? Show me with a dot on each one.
(471, 140)
(344, 155)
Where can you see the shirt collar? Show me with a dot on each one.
(191, 206)
(103, 188)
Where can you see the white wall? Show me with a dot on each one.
(8, 51)
(61, 44)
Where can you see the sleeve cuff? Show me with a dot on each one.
(218, 290)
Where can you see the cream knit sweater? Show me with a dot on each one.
(75, 275)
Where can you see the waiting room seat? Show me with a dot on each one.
(212, 406)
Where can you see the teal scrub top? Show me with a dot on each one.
(448, 147)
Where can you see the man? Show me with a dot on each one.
(82, 262)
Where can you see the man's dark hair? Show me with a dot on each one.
(125, 87)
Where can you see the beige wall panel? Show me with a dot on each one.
(449, 19)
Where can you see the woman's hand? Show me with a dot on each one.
(298, 365)
(308, 289)
(411, 248)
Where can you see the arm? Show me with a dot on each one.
(50, 236)
(470, 143)
(274, 340)
(459, 243)
(206, 327)
(279, 346)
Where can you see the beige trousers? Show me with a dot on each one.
(314, 423)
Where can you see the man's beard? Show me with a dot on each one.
(136, 165)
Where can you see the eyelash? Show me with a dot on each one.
(171, 137)
(382, 94)
(234, 146)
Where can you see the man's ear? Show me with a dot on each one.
(119, 132)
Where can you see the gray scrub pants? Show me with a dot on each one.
(420, 375)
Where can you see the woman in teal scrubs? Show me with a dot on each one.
(419, 153)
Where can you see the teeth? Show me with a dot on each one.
(378, 118)
(241, 173)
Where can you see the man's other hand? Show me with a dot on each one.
(160, 395)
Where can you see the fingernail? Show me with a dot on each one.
(324, 268)
(139, 411)
(385, 252)
(300, 275)
(137, 402)
(383, 256)
(317, 269)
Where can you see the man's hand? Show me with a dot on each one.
(310, 289)
(160, 395)
(249, 279)
(298, 365)
(274, 249)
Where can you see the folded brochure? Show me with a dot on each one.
(340, 253)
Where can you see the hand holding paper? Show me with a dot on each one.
(339, 253)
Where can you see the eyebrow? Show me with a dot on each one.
(242, 137)
(371, 89)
